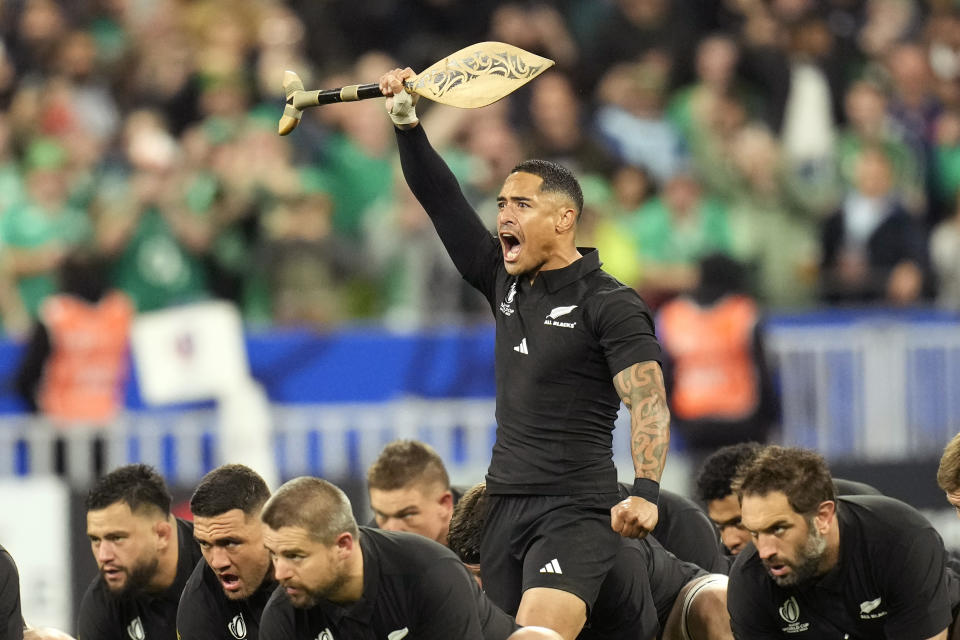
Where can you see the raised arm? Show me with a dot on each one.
(641, 389)
(433, 183)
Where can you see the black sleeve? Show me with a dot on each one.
(469, 243)
(685, 531)
(447, 603)
(494, 621)
(916, 589)
(276, 622)
(94, 622)
(624, 328)
(11, 619)
(196, 615)
(31, 366)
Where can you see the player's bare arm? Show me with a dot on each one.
(642, 391)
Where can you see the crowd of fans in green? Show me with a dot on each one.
(815, 141)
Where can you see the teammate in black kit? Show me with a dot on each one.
(648, 593)
(685, 531)
(344, 581)
(225, 596)
(822, 567)
(144, 554)
(571, 344)
(409, 490)
(715, 489)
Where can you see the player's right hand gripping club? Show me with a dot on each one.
(401, 104)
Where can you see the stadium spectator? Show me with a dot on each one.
(874, 251)
(146, 223)
(42, 228)
(672, 232)
(945, 258)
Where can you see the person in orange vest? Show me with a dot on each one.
(718, 385)
(76, 362)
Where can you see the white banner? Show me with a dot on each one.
(35, 530)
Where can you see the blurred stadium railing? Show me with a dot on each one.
(858, 387)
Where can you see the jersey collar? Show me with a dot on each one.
(556, 279)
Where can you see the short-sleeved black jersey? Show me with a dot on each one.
(559, 343)
(11, 619)
(206, 613)
(413, 588)
(143, 616)
(890, 582)
(854, 488)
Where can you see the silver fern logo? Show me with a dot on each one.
(238, 627)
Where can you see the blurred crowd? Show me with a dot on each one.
(816, 142)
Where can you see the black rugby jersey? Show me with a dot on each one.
(413, 588)
(890, 582)
(559, 343)
(206, 612)
(145, 616)
(685, 531)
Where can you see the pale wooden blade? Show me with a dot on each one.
(478, 75)
(291, 115)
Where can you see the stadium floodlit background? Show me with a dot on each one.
(295, 308)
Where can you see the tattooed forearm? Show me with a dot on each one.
(641, 389)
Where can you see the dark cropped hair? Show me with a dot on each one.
(800, 474)
(556, 178)
(405, 462)
(715, 480)
(138, 485)
(466, 525)
(229, 487)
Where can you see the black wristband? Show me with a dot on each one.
(647, 489)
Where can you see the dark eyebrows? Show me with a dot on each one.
(779, 524)
(729, 522)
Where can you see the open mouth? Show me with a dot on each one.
(511, 246)
(230, 581)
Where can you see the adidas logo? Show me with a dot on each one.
(551, 567)
(522, 347)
